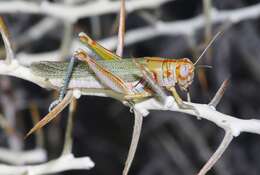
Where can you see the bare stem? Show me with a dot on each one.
(121, 30)
(134, 142)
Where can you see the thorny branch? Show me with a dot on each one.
(232, 126)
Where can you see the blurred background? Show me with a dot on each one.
(170, 143)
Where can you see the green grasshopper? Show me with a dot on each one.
(123, 79)
(122, 76)
(129, 80)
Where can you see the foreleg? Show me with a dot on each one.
(179, 101)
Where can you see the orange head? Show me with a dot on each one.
(184, 73)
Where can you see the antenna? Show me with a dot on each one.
(204, 66)
(210, 43)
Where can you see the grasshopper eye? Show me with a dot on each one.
(184, 70)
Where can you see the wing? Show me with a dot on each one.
(102, 52)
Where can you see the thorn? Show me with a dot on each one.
(51, 115)
(121, 29)
(6, 39)
(134, 141)
(216, 99)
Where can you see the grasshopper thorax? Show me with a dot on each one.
(168, 72)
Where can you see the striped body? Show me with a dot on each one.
(166, 72)
(83, 77)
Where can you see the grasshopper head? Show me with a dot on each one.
(184, 73)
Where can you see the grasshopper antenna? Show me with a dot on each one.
(210, 43)
(204, 66)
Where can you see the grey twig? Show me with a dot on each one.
(134, 142)
(121, 29)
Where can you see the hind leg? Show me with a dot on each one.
(66, 80)
(137, 96)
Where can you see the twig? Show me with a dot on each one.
(73, 13)
(22, 157)
(121, 29)
(134, 142)
(63, 163)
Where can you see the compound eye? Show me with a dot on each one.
(184, 70)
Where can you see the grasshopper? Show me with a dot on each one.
(123, 76)
(122, 79)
